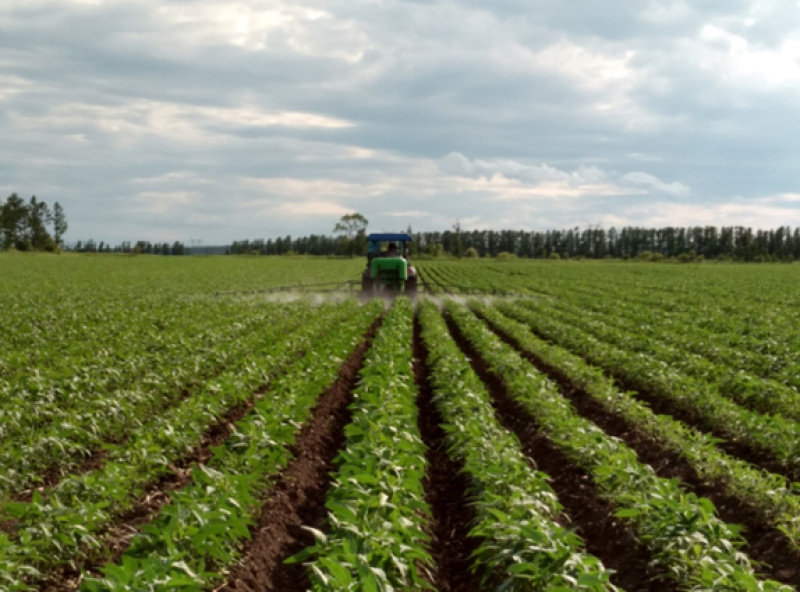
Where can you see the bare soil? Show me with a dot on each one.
(298, 496)
(445, 491)
(585, 510)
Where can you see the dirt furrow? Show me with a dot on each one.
(777, 557)
(445, 491)
(591, 516)
(298, 496)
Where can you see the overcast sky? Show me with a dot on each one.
(222, 119)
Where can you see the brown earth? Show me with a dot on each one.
(298, 497)
(445, 491)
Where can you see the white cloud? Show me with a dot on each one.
(314, 207)
(137, 120)
(512, 180)
(640, 179)
(734, 56)
(162, 202)
(591, 69)
(725, 214)
(409, 214)
(263, 25)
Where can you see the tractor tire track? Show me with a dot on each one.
(777, 557)
(445, 490)
(298, 497)
(592, 516)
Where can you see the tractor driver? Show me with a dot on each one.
(391, 251)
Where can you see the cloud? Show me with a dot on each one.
(313, 208)
(641, 179)
(159, 202)
(518, 180)
(224, 120)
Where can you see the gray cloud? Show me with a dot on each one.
(217, 120)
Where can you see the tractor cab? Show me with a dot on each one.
(388, 269)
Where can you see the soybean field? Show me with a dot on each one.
(170, 423)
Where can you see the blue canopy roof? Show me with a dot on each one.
(381, 237)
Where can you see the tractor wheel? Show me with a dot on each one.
(411, 286)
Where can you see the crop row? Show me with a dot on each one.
(771, 495)
(199, 533)
(772, 433)
(97, 417)
(753, 338)
(68, 523)
(694, 546)
(376, 506)
(100, 345)
(522, 546)
(756, 393)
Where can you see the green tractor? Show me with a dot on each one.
(388, 269)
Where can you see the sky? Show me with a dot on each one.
(208, 121)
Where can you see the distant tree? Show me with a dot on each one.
(457, 247)
(13, 221)
(24, 226)
(39, 215)
(59, 223)
(354, 227)
(434, 249)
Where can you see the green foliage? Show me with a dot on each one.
(201, 530)
(669, 520)
(136, 357)
(23, 226)
(771, 495)
(376, 506)
(522, 546)
(353, 228)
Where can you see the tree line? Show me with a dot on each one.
(738, 243)
(25, 225)
(137, 248)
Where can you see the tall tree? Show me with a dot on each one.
(59, 223)
(457, 244)
(13, 222)
(354, 227)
